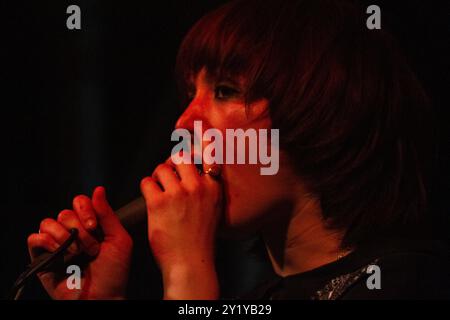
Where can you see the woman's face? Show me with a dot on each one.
(249, 196)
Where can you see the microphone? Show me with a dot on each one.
(133, 213)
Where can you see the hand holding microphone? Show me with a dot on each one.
(184, 208)
(106, 267)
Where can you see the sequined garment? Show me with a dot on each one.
(337, 286)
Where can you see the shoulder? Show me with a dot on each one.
(405, 272)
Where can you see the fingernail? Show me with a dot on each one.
(90, 223)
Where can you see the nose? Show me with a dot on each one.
(187, 118)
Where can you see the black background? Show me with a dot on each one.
(97, 106)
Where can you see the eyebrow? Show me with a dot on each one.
(232, 81)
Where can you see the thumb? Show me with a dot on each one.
(107, 219)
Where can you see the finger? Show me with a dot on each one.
(149, 188)
(166, 176)
(212, 179)
(58, 232)
(83, 207)
(186, 171)
(110, 223)
(41, 241)
(69, 219)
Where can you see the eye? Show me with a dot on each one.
(224, 92)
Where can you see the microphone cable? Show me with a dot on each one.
(39, 264)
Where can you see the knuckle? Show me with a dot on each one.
(159, 168)
(45, 238)
(178, 191)
(80, 200)
(38, 239)
(47, 222)
(145, 181)
(31, 239)
(80, 197)
(162, 167)
(64, 215)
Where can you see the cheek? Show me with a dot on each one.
(237, 115)
(224, 119)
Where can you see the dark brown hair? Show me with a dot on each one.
(351, 113)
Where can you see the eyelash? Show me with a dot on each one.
(224, 92)
(221, 92)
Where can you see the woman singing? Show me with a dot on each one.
(349, 201)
